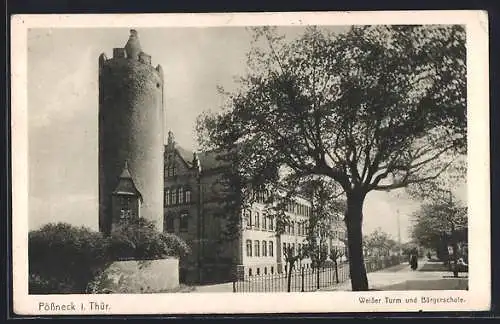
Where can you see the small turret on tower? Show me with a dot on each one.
(126, 199)
(133, 46)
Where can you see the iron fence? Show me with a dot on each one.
(307, 279)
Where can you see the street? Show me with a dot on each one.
(398, 277)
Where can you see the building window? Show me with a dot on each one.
(264, 248)
(257, 220)
(293, 248)
(188, 196)
(258, 271)
(271, 248)
(249, 248)
(248, 218)
(271, 223)
(174, 196)
(169, 224)
(257, 248)
(264, 222)
(272, 270)
(250, 272)
(184, 222)
(167, 197)
(293, 227)
(180, 195)
(284, 249)
(265, 270)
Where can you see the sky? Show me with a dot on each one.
(63, 111)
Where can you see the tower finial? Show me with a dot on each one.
(125, 172)
(133, 46)
(171, 139)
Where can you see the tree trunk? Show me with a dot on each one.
(354, 221)
(289, 277)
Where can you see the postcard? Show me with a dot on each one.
(250, 163)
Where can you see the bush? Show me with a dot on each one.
(138, 239)
(65, 259)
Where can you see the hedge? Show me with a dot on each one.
(65, 259)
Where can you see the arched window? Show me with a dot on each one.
(258, 271)
(271, 248)
(249, 248)
(265, 270)
(257, 220)
(271, 223)
(264, 248)
(257, 248)
(264, 222)
(188, 195)
(250, 272)
(248, 217)
(272, 270)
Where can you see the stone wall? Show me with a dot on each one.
(132, 277)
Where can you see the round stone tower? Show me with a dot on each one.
(130, 129)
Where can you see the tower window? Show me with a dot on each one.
(125, 214)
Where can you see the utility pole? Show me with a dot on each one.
(453, 236)
(399, 230)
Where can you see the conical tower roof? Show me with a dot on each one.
(126, 184)
(133, 46)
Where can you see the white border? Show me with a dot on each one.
(477, 298)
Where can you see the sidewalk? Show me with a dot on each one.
(401, 277)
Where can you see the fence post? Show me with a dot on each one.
(302, 283)
(317, 281)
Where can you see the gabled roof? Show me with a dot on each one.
(209, 160)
